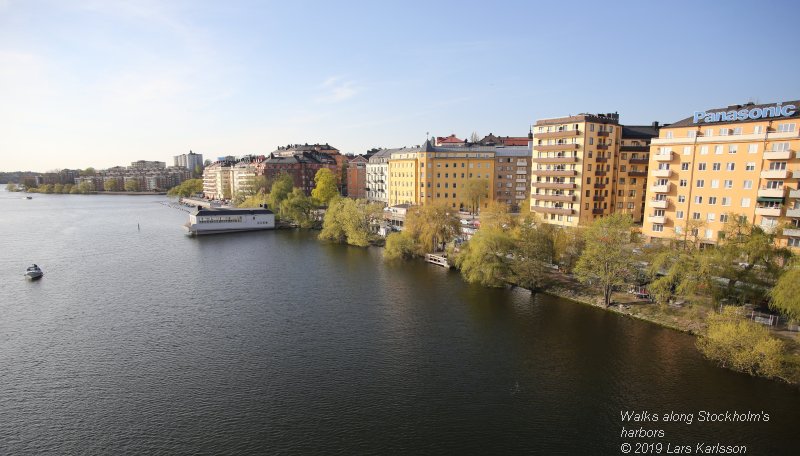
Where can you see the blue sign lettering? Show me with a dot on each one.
(743, 114)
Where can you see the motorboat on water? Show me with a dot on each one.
(34, 272)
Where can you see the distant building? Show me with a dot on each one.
(448, 140)
(492, 140)
(378, 176)
(357, 177)
(190, 161)
(513, 175)
(144, 164)
(302, 167)
(316, 151)
(631, 169)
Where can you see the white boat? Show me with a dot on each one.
(34, 272)
(223, 220)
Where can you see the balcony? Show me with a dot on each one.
(597, 211)
(602, 147)
(778, 155)
(793, 212)
(557, 134)
(599, 185)
(659, 204)
(660, 219)
(597, 198)
(644, 148)
(793, 232)
(602, 133)
(639, 161)
(770, 192)
(547, 147)
(794, 193)
(637, 173)
(554, 172)
(664, 156)
(599, 172)
(661, 172)
(552, 210)
(769, 211)
(563, 159)
(660, 188)
(601, 159)
(562, 198)
(775, 174)
(561, 185)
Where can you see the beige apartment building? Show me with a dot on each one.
(737, 161)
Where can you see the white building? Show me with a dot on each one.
(378, 176)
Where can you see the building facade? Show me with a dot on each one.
(302, 167)
(513, 176)
(631, 169)
(357, 177)
(190, 161)
(572, 172)
(737, 161)
(378, 176)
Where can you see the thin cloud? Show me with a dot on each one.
(335, 90)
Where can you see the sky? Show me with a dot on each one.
(102, 83)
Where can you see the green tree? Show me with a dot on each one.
(497, 215)
(83, 188)
(298, 208)
(111, 185)
(280, 190)
(400, 246)
(58, 188)
(67, 188)
(88, 172)
(608, 259)
(742, 345)
(432, 226)
(785, 296)
(485, 259)
(324, 186)
(350, 221)
(12, 187)
(198, 171)
(188, 187)
(46, 188)
(534, 252)
(132, 185)
(475, 190)
(254, 201)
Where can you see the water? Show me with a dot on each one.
(147, 341)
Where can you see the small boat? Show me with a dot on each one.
(28, 197)
(34, 272)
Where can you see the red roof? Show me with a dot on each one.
(515, 141)
(450, 140)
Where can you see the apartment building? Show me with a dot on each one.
(227, 177)
(513, 175)
(378, 176)
(736, 161)
(574, 159)
(190, 161)
(631, 169)
(357, 177)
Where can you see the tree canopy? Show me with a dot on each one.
(325, 188)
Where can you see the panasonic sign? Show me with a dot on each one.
(744, 114)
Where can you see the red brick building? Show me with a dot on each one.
(357, 177)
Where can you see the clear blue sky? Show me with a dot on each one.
(102, 83)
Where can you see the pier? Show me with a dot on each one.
(440, 260)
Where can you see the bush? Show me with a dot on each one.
(400, 245)
(737, 343)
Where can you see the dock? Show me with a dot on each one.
(440, 260)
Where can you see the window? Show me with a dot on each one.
(591, 127)
(732, 148)
(695, 216)
(737, 131)
(679, 215)
(700, 183)
(752, 148)
(683, 183)
(711, 216)
(704, 150)
(723, 218)
(691, 134)
(793, 242)
(751, 166)
(715, 183)
(716, 166)
(745, 202)
(681, 198)
(757, 130)
(724, 132)
(718, 149)
(591, 141)
(709, 234)
(726, 201)
(684, 167)
(748, 184)
(687, 150)
(728, 183)
(701, 166)
(730, 166)
(712, 200)
(622, 181)
(678, 230)
(786, 128)
(658, 227)
(698, 200)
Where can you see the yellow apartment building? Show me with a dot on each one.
(740, 160)
(572, 167)
(439, 174)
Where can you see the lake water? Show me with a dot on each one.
(145, 341)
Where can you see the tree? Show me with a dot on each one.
(473, 138)
(198, 170)
(607, 261)
(324, 186)
(111, 185)
(400, 246)
(785, 296)
(740, 344)
(83, 188)
(261, 184)
(132, 185)
(497, 215)
(485, 259)
(350, 221)
(568, 244)
(88, 172)
(432, 226)
(475, 190)
(58, 188)
(188, 187)
(298, 208)
(12, 187)
(280, 190)
(67, 188)
(534, 252)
